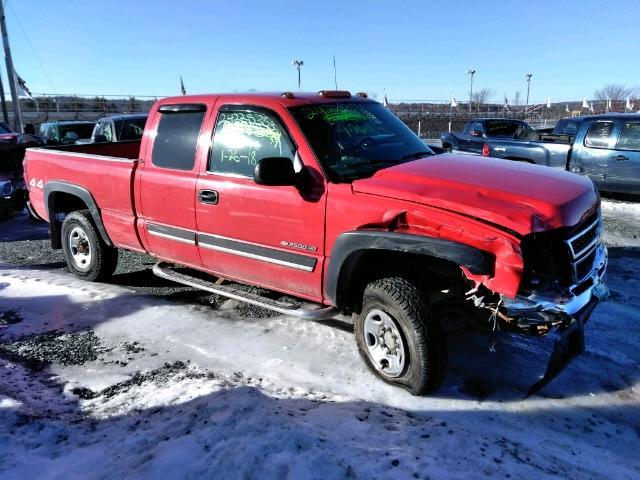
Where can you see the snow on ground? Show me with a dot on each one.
(101, 381)
(623, 218)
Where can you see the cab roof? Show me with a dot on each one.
(286, 99)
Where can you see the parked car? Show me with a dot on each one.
(477, 130)
(13, 193)
(119, 128)
(605, 148)
(331, 199)
(66, 132)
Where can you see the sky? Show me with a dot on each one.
(413, 50)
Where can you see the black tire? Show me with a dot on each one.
(425, 352)
(103, 259)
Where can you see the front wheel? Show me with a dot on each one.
(399, 338)
(86, 254)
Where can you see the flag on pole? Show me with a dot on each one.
(21, 86)
(548, 102)
(385, 101)
(584, 102)
(629, 105)
(454, 104)
(182, 89)
(591, 107)
(506, 103)
(566, 109)
(609, 105)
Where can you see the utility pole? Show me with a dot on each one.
(17, 119)
(471, 73)
(528, 77)
(298, 64)
(5, 115)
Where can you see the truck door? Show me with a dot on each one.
(476, 137)
(591, 151)
(271, 236)
(167, 183)
(623, 164)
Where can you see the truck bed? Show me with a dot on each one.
(106, 170)
(129, 149)
(551, 154)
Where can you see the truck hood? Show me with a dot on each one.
(522, 197)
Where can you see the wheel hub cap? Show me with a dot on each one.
(384, 343)
(80, 248)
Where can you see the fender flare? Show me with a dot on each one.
(357, 242)
(55, 186)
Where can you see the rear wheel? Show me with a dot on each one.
(86, 254)
(399, 338)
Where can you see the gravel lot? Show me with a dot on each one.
(145, 379)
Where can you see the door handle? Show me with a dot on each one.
(620, 157)
(209, 197)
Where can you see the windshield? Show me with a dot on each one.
(355, 140)
(509, 129)
(4, 128)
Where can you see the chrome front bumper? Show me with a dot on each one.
(580, 294)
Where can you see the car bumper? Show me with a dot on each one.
(547, 309)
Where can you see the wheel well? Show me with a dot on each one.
(60, 205)
(430, 274)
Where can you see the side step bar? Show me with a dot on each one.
(163, 270)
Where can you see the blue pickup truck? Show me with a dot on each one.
(478, 130)
(606, 148)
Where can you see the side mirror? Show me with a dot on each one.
(476, 133)
(275, 171)
(99, 139)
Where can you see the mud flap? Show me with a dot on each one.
(568, 343)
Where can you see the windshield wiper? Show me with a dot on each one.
(416, 155)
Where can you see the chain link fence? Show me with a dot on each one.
(428, 118)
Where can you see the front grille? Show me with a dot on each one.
(585, 240)
(557, 259)
(582, 247)
(582, 267)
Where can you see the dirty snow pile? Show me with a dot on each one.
(101, 381)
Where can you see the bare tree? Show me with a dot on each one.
(516, 98)
(616, 92)
(481, 96)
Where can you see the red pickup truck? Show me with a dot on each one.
(331, 199)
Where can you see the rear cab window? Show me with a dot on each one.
(245, 135)
(177, 136)
(598, 135)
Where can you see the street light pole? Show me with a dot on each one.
(471, 73)
(298, 64)
(528, 77)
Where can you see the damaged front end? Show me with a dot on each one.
(562, 284)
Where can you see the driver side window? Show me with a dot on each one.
(245, 136)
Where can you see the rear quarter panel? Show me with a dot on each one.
(108, 179)
(550, 154)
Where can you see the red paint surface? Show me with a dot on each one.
(450, 197)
